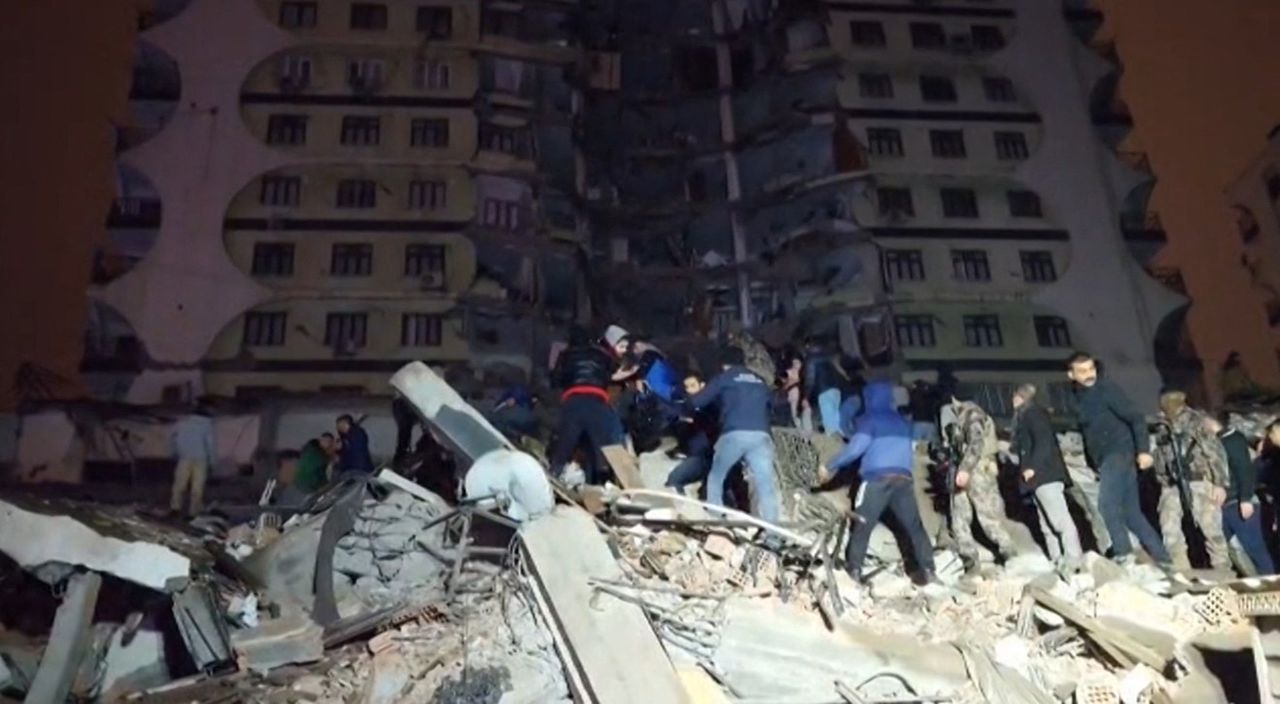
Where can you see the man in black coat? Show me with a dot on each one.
(583, 373)
(1045, 474)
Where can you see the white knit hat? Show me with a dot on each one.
(614, 334)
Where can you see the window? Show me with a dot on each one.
(1273, 185)
(351, 260)
(863, 33)
(368, 15)
(915, 331)
(432, 75)
(1051, 331)
(280, 191)
(429, 132)
(970, 265)
(357, 193)
(273, 259)
(959, 202)
(361, 131)
(287, 129)
(502, 214)
(1037, 267)
(904, 264)
(346, 330)
(982, 331)
(1024, 204)
(987, 37)
(421, 330)
(264, 329)
(365, 74)
(875, 85)
(509, 140)
(435, 22)
(894, 200)
(297, 15)
(999, 90)
(1011, 146)
(928, 35)
(502, 22)
(947, 144)
(937, 89)
(295, 72)
(427, 195)
(884, 141)
(424, 259)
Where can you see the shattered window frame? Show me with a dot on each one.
(341, 329)
(1038, 266)
(884, 141)
(421, 330)
(904, 265)
(982, 331)
(970, 265)
(273, 259)
(1052, 331)
(915, 331)
(867, 34)
(1011, 146)
(351, 259)
(960, 203)
(264, 329)
(948, 144)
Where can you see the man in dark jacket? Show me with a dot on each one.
(353, 451)
(822, 379)
(1045, 474)
(583, 373)
(743, 398)
(1117, 442)
(1240, 514)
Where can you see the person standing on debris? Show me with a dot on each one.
(1116, 440)
(823, 376)
(976, 487)
(583, 372)
(1191, 467)
(1241, 517)
(193, 447)
(353, 447)
(882, 439)
(1042, 470)
(743, 398)
(791, 378)
(313, 463)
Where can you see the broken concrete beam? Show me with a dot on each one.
(68, 641)
(514, 479)
(292, 638)
(456, 423)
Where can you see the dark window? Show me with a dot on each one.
(501, 214)
(346, 330)
(280, 191)
(297, 15)
(295, 73)
(365, 75)
(432, 75)
(895, 200)
(435, 22)
(1011, 146)
(502, 23)
(915, 331)
(368, 15)
(1037, 267)
(287, 129)
(970, 265)
(429, 132)
(357, 193)
(999, 90)
(427, 195)
(947, 144)
(875, 85)
(273, 259)
(987, 37)
(864, 33)
(1051, 331)
(1273, 186)
(959, 202)
(937, 89)
(904, 264)
(509, 140)
(982, 331)
(421, 330)
(927, 35)
(1024, 204)
(361, 131)
(424, 260)
(264, 329)
(884, 141)
(351, 260)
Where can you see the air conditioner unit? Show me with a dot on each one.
(431, 281)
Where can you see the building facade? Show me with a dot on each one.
(1255, 195)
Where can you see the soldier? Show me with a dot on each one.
(1191, 466)
(976, 490)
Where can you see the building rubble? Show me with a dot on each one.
(379, 591)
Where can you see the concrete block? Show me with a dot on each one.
(292, 638)
(719, 546)
(388, 678)
(136, 665)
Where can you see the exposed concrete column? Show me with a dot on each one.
(728, 133)
(67, 641)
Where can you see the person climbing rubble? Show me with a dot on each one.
(976, 487)
(881, 438)
(1191, 467)
(583, 372)
(1041, 468)
(1241, 514)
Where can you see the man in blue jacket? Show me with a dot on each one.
(882, 438)
(743, 398)
(353, 453)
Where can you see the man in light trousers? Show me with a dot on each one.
(193, 446)
(1041, 468)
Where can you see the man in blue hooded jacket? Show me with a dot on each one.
(882, 438)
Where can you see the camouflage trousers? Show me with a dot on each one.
(981, 499)
(1207, 517)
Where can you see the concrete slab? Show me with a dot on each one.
(292, 638)
(456, 423)
(68, 641)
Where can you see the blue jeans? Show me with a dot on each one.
(1250, 534)
(1120, 508)
(829, 411)
(756, 448)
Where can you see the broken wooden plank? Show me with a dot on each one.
(626, 467)
(1119, 646)
(68, 641)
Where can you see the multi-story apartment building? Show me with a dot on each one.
(314, 192)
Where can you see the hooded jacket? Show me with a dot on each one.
(881, 437)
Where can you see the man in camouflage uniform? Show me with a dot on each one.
(976, 490)
(1205, 462)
